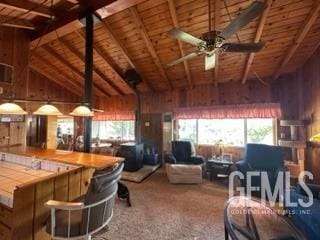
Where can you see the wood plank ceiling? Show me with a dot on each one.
(133, 34)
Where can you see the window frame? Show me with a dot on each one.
(245, 132)
(122, 129)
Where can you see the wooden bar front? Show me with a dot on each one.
(27, 218)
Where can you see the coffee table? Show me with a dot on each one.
(246, 218)
(217, 166)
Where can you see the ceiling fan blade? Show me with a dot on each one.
(210, 61)
(183, 36)
(187, 57)
(246, 16)
(242, 47)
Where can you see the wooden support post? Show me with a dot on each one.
(138, 116)
(88, 80)
(51, 142)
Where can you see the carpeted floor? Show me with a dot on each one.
(164, 211)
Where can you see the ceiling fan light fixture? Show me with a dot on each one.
(214, 40)
(210, 61)
(11, 109)
(48, 110)
(82, 111)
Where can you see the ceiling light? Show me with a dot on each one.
(82, 111)
(48, 110)
(11, 108)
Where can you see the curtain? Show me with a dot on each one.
(114, 116)
(263, 110)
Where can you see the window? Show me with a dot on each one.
(113, 130)
(65, 125)
(233, 132)
(260, 131)
(230, 131)
(188, 130)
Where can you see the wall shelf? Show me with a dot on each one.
(292, 144)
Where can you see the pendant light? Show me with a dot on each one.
(82, 111)
(48, 110)
(11, 108)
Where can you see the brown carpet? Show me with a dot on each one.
(164, 211)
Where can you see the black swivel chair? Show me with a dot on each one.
(75, 220)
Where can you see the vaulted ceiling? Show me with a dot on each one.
(133, 34)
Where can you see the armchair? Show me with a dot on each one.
(183, 152)
(183, 166)
(261, 158)
(307, 219)
(75, 220)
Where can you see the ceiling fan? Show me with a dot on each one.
(212, 41)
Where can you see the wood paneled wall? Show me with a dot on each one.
(40, 87)
(299, 96)
(308, 78)
(204, 95)
(153, 105)
(151, 129)
(14, 51)
(286, 91)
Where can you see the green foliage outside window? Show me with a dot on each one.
(257, 135)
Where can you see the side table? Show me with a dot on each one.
(215, 167)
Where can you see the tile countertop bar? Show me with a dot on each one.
(16, 168)
(89, 160)
(17, 171)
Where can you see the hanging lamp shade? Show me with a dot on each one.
(48, 110)
(11, 109)
(82, 111)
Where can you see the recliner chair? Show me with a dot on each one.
(75, 220)
(184, 166)
(183, 152)
(261, 158)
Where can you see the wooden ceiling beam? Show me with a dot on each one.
(76, 53)
(16, 23)
(304, 29)
(101, 54)
(257, 38)
(51, 36)
(217, 16)
(70, 22)
(26, 6)
(175, 21)
(125, 53)
(73, 69)
(116, 7)
(73, 1)
(143, 32)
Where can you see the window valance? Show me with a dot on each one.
(114, 116)
(262, 110)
